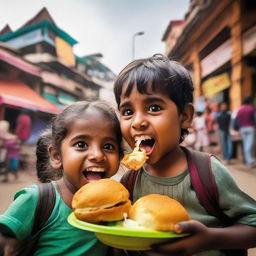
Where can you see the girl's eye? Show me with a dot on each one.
(154, 108)
(80, 144)
(127, 112)
(108, 146)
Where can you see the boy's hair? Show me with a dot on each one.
(45, 172)
(62, 122)
(157, 74)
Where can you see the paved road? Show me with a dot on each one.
(246, 178)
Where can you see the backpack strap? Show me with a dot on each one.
(45, 205)
(128, 180)
(203, 182)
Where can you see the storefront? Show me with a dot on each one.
(17, 96)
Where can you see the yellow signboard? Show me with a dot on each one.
(215, 84)
(64, 52)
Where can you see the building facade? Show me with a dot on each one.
(40, 73)
(218, 46)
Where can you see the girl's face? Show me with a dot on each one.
(90, 150)
(155, 119)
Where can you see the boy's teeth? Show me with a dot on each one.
(143, 137)
(95, 169)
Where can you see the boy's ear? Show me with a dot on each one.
(187, 116)
(55, 158)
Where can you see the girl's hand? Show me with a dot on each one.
(200, 239)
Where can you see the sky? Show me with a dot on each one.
(103, 26)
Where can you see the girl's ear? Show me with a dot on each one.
(187, 116)
(55, 158)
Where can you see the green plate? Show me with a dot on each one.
(117, 235)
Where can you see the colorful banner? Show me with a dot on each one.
(215, 84)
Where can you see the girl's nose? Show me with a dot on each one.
(96, 155)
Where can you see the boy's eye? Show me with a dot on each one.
(81, 144)
(127, 112)
(154, 108)
(108, 146)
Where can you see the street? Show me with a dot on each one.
(246, 178)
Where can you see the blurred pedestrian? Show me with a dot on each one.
(3, 151)
(223, 118)
(12, 145)
(190, 139)
(199, 126)
(23, 126)
(246, 122)
(211, 129)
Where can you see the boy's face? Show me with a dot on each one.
(90, 149)
(155, 119)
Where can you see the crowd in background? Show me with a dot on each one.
(10, 145)
(215, 129)
(219, 131)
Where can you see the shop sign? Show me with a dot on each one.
(64, 52)
(249, 41)
(216, 58)
(215, 85)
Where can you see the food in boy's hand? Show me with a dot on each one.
(158, 212)
(136, 159)
(101, 200)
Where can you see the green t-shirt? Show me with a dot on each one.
(236, 203)
(57, 237)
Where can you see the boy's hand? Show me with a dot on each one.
(199, 239)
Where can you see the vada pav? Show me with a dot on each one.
(101, 200)
(158, 212)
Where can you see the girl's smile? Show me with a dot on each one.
(90, 149)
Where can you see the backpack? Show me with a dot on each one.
(203, 182)
(45, 205)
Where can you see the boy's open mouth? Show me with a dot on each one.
(147, 145)
(94, 173)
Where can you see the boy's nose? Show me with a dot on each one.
(139, 123)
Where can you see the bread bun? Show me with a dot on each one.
(101, 200)
(158, 212)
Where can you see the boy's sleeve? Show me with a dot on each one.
(19, 217)
(232, 200)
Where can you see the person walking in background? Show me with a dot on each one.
(3, 151)
(23, 126)
(211, 128)
(199, 126)
(223, 118)
(246, 122)
(12, 145)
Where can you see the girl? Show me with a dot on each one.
(86, 145)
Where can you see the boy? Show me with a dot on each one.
(154, 97)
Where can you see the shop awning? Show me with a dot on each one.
(20, 95)
(18, 62)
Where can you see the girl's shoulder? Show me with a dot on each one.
(29, 192)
